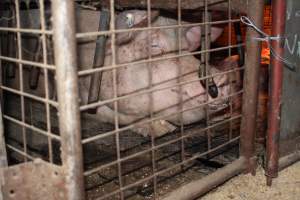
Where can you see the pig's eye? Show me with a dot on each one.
(130, 20)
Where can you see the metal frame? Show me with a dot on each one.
(69, 110)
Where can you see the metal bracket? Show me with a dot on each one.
(33, 180)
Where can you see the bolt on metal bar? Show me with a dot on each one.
(65, 50)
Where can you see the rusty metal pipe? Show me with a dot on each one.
(288, 160)
(99, 58)
(276, 76)
(197, 188)
(68, 97)
(251, 84)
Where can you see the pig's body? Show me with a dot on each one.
(139, 78)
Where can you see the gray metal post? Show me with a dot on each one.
(67, 91)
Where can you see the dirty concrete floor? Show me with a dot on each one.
(247, 187)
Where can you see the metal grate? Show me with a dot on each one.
(155, 123)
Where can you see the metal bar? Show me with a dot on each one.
(11, 49)
(276, 78)
(34, 73)
(25, 62)
(67, 86)
(99, 58)
(195, 156)
(197, 188)
(155, 59)
(288, 160)
(188, 134)
(87, 140)
(250, 98)
(146, 91)
(3, 155)
(153, 28)
(238, 5)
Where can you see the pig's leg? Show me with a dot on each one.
(107, 115)
(156, 128)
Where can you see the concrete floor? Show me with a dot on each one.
(247, 187)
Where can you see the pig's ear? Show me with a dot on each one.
(193, 36)
(229, 63)
(215, 33)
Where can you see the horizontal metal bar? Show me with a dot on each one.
(26, 30)
(40, 99)
(40, 131)
(146, 91)
(197, 188)
(155, 59)
(199, 155)
(19, 152)
(98, 33)
(288, 160)
(91, 139)
(187, 135)
(26, 62)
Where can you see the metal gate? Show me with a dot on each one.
(121, 103)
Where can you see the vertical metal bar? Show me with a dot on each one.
(46, 77)
(250, 98)
(99, 57)
(3, 155)
(273, 132)
(68, 97)
(151, 104)
(21, 82)
(180, 74)
(115, 94)
(230, 77)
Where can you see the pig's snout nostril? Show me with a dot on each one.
(213, 90)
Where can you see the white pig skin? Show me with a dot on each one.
(158, 75)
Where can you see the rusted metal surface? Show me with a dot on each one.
(251, 83)
(34, 180)
(276, 77)
(65, 49)
(202, 186)
(289, 160)
(290, 119)
(237, 5)
(99, 57)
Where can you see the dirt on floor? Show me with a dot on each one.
(248, 187)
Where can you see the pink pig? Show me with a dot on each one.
(157, 76)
